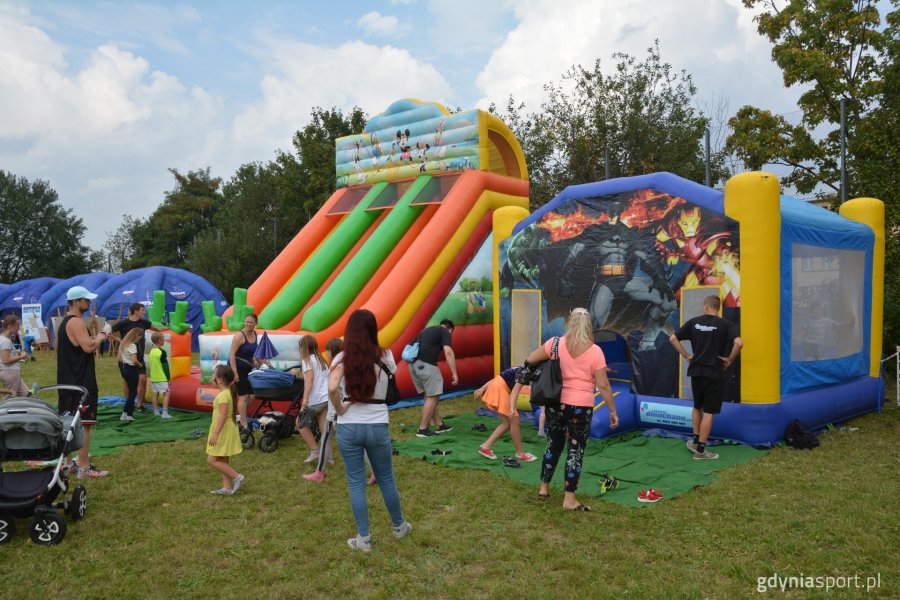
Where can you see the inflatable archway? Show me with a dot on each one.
(804, 284)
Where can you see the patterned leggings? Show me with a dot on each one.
(574, 423)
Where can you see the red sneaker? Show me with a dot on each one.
(650, 496)
(487, 453)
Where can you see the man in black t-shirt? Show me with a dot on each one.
(137, 318)
(710, 337)
(426, 375)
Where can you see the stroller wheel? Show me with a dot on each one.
(78, 504)
(47, 529)
(247, 439)
(268, 443)
(7, 528)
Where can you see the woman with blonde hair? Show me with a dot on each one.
(130, 366)
(583, 367)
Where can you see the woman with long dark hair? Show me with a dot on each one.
(357, 387)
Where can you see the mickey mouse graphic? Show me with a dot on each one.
(402, 141)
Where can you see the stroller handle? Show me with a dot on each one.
(72, 388)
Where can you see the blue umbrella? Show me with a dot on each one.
(265, 349)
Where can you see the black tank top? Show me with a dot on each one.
(74, 366)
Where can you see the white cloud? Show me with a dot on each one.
(300, 76)
(714, 40)
(375, 23)
(103, 134)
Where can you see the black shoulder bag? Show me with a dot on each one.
(392, 396)
(547, 387)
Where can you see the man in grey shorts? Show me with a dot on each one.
(426, 375)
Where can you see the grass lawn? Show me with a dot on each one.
(154, 531)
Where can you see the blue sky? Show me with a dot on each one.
(101, 98)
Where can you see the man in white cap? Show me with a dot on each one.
(75, 366)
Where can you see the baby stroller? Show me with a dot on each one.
(32, 430)
(269, 386)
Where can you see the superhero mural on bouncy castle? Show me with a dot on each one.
(625, 257)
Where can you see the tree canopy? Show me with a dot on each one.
(265, 205)
(38, 237)
(640, 111)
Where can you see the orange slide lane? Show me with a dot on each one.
(337, 328)
(291, 258)
(456, 207)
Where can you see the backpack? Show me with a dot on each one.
(798, 435)
(410, 352)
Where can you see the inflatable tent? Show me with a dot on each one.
(28, 291)
(138, 285)
(804, 284)
(53, 301)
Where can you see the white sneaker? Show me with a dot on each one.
(402, 529)
(313, 456)
(165, 415)
(236, 485)
(705, 455)
(126, 417)
(361, 543)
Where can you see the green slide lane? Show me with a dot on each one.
(360, 269)
(320, 265)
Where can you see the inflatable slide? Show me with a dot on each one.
(408, 234)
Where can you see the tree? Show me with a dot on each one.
(264, 205)
(832, 47)
(641, 113)
(38, 237)
(838, 50)
(166, 236)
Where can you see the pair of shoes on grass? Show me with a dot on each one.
(238, 481)
(705, 455)
(489, 454)
(364, 543)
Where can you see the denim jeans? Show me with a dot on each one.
(131, 374)
(355, 439)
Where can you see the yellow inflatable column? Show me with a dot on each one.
(870, 211)
(503, 222)
(753, 199)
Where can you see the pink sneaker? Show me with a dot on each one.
(91, 473)
(317, 476)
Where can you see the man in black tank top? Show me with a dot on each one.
(75, 366)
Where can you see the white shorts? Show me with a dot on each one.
(160, 386)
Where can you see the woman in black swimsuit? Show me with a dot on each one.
(241, 359)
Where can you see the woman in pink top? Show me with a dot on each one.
(583, 367)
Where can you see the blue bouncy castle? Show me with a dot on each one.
(804, 284)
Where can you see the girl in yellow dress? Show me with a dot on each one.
(224, 440)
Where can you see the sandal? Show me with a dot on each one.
(580, 508)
